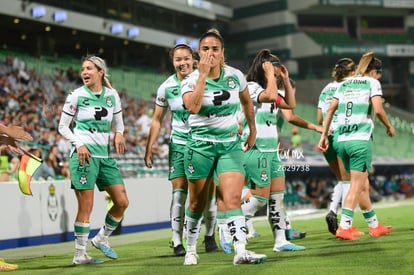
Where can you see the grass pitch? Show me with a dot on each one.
(148, 252)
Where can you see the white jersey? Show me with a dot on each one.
(169, 95)
(355, 108)
(325, 99)
(266, 120)
(217, 119)
(93, 117)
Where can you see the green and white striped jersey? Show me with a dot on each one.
(93, 117)
(217, 119)
(169, 95)
(325, 99)
(266, 121)
(355, 108)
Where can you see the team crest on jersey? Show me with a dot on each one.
(190, 168)
(73, 108)
(231, 83)
(264, 176)
(109, 102)
(83, 179)
(161, 99)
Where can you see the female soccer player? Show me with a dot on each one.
(94, 107)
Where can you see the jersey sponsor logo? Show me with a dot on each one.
(100, 112)
(175, 92)
(359, 81)
(220, 96)
(348, 129)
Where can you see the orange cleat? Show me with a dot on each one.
(347, 234)
(379, 230)
(355, 231)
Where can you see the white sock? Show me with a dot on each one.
(237, 228)
(336, 198)
(277, 218)
(252, 205)
(210, 214)
(370, 217)
(177, 209)
(192, 228)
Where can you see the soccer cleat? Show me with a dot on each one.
(191, 258)
(293, 234)
(347, 234)
(7, 267)
(249, 257)
(355, 231)
(252, 236)
(224, 237)
(210, 243)
(379, 230)
(179, 250)
(86, 259)
(332, 222)
(102, 244)
(288, 247)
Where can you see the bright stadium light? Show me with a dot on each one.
(38, 11)
(133, 32)
(117, 28)
(60, 16)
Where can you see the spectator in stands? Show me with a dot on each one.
(143, 121)
(18, 134)
(169, 97)
(389, 188)
(296, 139)
(63, 146)
(214, 148)
(355, 139)
(405, 188)
(90, 162)
(60, 164)
(46, 171)
(316, 192)
(374, 187)
(9, 164)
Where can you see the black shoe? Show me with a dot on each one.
(179, 250)
(210, 243)
(332, 222)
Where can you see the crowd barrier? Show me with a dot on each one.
(48, 215)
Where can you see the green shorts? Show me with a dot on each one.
(356, 154)
(203, 158)
(262, 167)
(176, 160)
(332, 152)
(102, 171)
